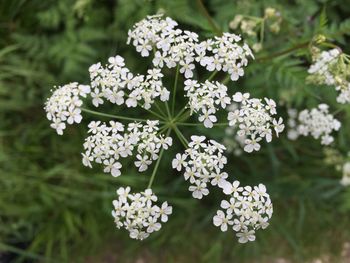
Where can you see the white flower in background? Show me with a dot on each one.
(345, 181)
(247, 210)
(224, 53)
(64, 105)
(253, 118)
(317, 122)
(137, 213)
(203, 162)
(322, 64)
(206, 98)
(233, 142)
(108, 143)
(332, 69)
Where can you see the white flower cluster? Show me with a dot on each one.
(202, 163)
(107, 144)
(206, 98)
(317, 122)
(174, 46)
(322, 64)
(224, 53)
(247, 210)
(137, 213)
(254, 120)
(64, 105)
(330, 69)
(114, 81)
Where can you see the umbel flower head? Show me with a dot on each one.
(247, 210)
(332, 68)
(317, 122)
(146, 139)
(254, 120)
(137, 213)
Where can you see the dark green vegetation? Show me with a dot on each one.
(52, 208)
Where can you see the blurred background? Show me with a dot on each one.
(52, 209)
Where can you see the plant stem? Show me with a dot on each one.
(284, 52)
(160, 111)
(221, 124)
(199, 124)
(155, 114)
(183, 137)
(188, 124)
(167, 110)
(174, 89)
(157, 164)
(179, 114)
(212, 75)
(180, 138)
(262, 31)
(113, 116)
(184, 116)
(204, 11)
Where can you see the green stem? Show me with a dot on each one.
(212, 75)
(157, 164)
(211, 22)
(284, 52)
(199, 124)
(174, 89)
(113, 116)
(184, 116)
(188, 124)
(179, 114)
(167, 110)
(337, 111)
(262, 31)
(221, 124)
(181, 134)
(180, 138)
(154, 113)
(159, 109)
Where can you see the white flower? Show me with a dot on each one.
(239, 97)
(164, 211)
(178, 162)
(232, 188)
(142, 163)
(112, 167)
(199, 189)
(252, 144)
(223, 220)
(246, 236)
(123, 193)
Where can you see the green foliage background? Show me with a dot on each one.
(54, 209)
